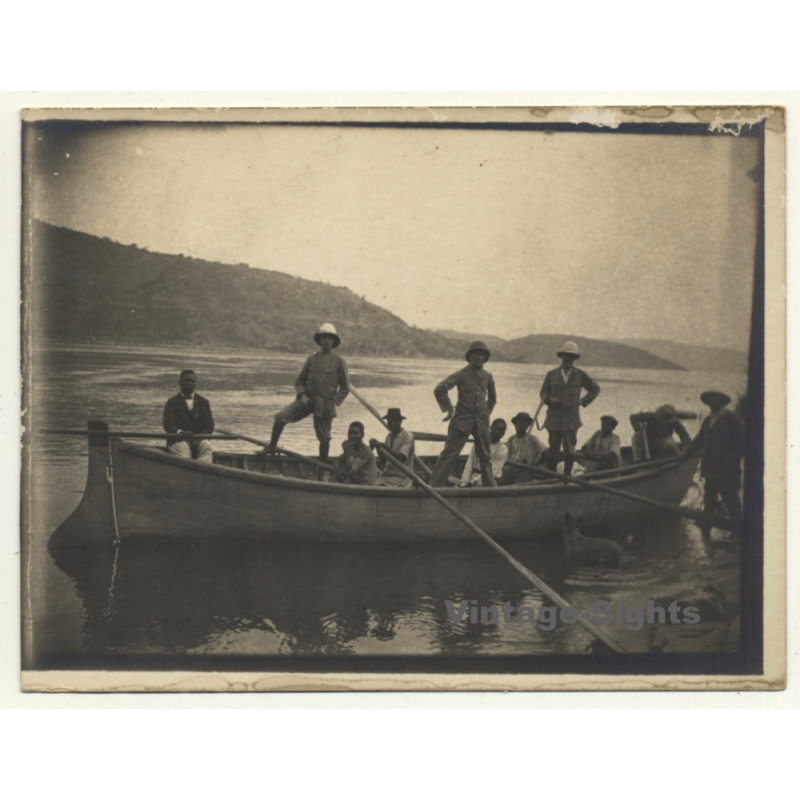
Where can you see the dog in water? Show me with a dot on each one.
(588, 549)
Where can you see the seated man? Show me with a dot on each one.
(357, 463)
(400, 443)
(659, 426)
(187, 415)
(637, 440)
(602, 451)
(498, 454)
(524, 448)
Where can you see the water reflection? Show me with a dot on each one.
(244, 598)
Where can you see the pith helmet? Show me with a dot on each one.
(712, 394)
(569, 349)
(665, 414)
(327, 327)
(479, 346)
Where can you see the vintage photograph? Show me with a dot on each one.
(362, 398)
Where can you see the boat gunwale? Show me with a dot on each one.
(653, 469)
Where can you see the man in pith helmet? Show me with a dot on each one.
(322, 385)
(561, 393)
(476, 399)
(722, 441)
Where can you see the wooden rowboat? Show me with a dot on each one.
(139, 491)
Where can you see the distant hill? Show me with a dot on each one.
(86, 288)
(542, 348)
(695, 357)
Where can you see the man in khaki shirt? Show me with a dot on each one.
(322, 385)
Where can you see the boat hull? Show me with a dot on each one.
(136, 491)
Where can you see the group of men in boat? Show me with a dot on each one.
(323, 384)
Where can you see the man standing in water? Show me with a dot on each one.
(322, 385)
(188, 415)
(722, 441)
(561, 393)
(476, 399)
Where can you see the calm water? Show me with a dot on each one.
(85, 606)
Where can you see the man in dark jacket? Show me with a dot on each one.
(561, 393)
(188, 415)
(476, 399)
(722, 441)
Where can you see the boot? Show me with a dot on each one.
(324, 449)
(277, 429)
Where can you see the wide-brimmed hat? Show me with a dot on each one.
(477, 346)
(665, 414)
(569, 349)
(393, 412)
(523, 416)
(330, 330)
(712, 394)
(610, 419)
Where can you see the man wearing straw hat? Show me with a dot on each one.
(561, 393)
(722, 441)
(524, 448)
(476, 399)
(400, 444)
(322, 385)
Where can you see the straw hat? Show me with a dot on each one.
(713, 394)
(330, 330)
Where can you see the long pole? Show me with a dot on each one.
(382, 421)
(690, 513)
(128, 434)
(521, 568)
(262, 443)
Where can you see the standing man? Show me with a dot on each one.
(187, 415)
(476, 399)
(322, 385)
(524, 448)
(497, 450)
(722, 441)
(561, 393)
(400, 443)
(602, 451)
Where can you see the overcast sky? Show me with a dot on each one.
(604, 235)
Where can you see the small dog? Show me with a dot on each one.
(588, 549)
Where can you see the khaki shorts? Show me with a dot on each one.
(298, 410)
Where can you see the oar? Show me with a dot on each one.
(536, 416)
(521, 568)
(690, 513)
(262, 443)
(382, 421)
(421, 436)
(130, 434)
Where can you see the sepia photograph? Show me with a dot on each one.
(403, 399)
